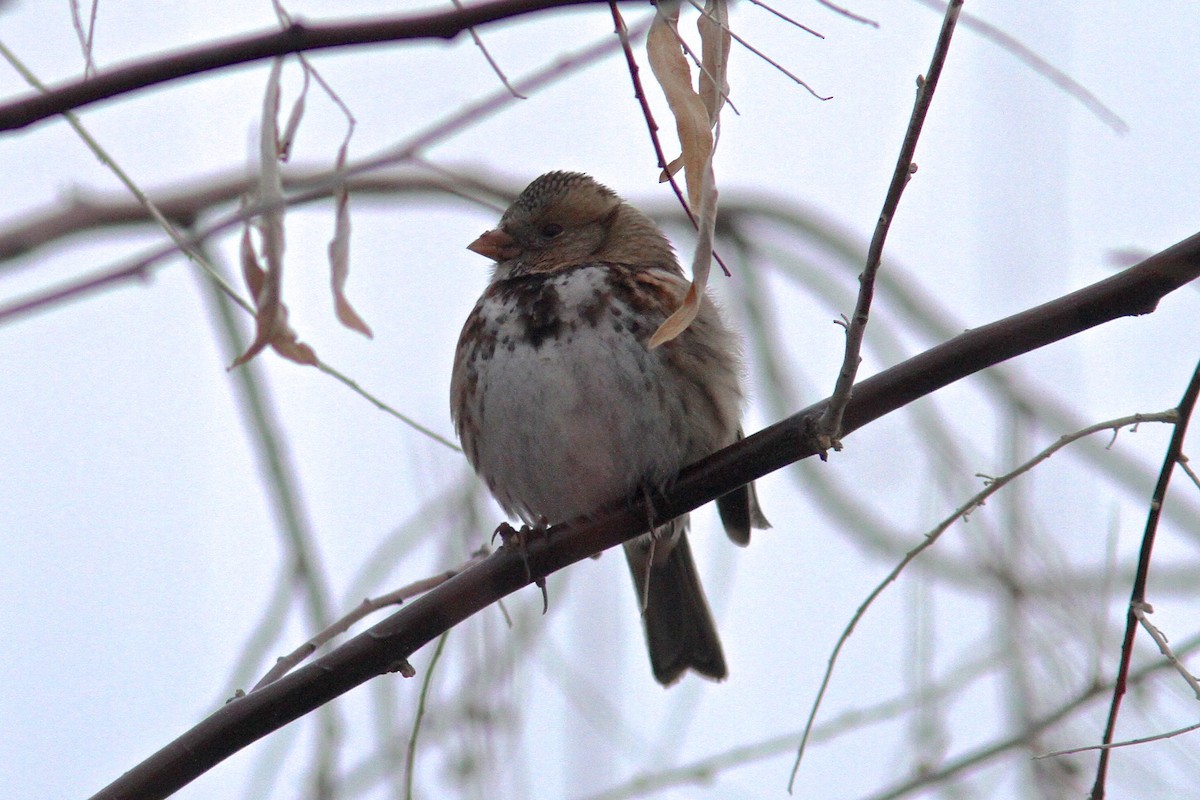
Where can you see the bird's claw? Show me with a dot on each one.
(519, 540)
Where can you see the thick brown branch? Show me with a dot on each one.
(295, 38)
(386, 646)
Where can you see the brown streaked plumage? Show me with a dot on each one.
(564, 411)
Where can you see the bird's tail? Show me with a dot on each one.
(680, 632)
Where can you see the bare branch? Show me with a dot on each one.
(364, 609)
(1142, 612)
(387, 646)
(848, 14)
(651, 125)
(296, 38)
(1041, 66)
(993, 485)
(830, 427)
(984, 754)
(1137, 600)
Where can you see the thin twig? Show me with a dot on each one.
(411, 754)
(1186, 466)
(764, 56)
(487, 55)
(993, 485)
(975, 758)
(1187, 405)
(85, 37)
(848, 14)
(830, 425)
(1141, 611)
(353, 386)
(1157, 737)
(388, 643)
(788, 19)
(181, 242)
(651, 125)
(299, 37)
(364, 609)
(1039, 65)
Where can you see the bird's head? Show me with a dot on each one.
(564, 219)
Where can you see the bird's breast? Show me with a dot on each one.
(561, 406)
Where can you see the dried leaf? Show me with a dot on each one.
(293, 350)
(270, 190)
(271, 318)
(339, 258)
(252, 273)
(284, 147)
(269, 299)
(256, 281)
(266, 285)
(671, 169)
(715, 41)
(674, 75)
(678, 322)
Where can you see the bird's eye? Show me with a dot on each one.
(551, 230)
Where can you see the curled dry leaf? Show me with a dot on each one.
(701, 264)
(715, 41)
(696, 116)
(339, 258)
(297, 114)
(266, 285)
(271, 317)
(674, 75)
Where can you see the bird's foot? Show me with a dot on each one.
(518, 540)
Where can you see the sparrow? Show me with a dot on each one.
(564, 410)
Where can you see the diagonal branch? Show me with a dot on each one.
(296, 38)
(830, 429)
(1137, 601)
(386, 646)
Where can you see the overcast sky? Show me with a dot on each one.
(138, 547)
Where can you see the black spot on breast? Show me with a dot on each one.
(536, 305)
(592, 311)
(542, 319)
(478, 338)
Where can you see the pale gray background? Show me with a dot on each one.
(137, 549)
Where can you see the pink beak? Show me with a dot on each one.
(496, 245)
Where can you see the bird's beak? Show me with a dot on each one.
(496, 245)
